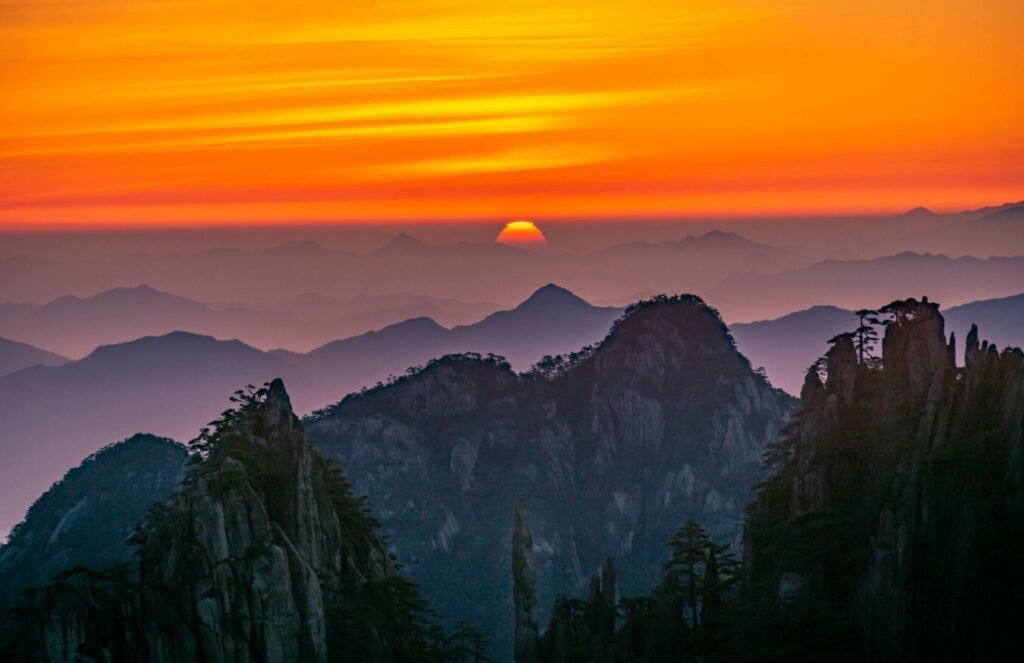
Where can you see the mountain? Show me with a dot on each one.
(77, 326)
(85, 518)
(357, 315)
(711, 242)
(263, 555)
(990, 231)
(855, 284)
(15, 356)
(170, 385)
(611, 449)
(1013, 214)
(1002, 319)
(786, 346)
(891, 526)
(921, 213)
(551, 321)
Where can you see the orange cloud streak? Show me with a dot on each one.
(221, 111)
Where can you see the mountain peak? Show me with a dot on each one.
(919, 212)
(403, 242)
(663, 315)
(552, 295)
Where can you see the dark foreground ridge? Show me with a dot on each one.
(892, 525)
(263, 555)
(85, 518)
(890, 529)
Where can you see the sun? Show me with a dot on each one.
(524, 234)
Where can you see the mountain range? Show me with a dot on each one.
(858, 283)
(611, 448)
(786, 346)
(75, 326)
(885, 530)
(171, 385)
(15, 356)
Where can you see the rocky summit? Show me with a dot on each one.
(892, 525)
(263, 555)
(610, 448)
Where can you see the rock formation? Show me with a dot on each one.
(613, 447)
(264, 555)
(524, 589)
(891, 527)
(651, 629)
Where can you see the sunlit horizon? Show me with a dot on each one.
(183, 114)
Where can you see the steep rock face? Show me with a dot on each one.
(652, 628)
(524, 589)
(891, 526)
(85, 519)
(663, 421)
(264, 555)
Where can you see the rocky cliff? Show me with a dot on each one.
(613, 448)
(603, 627)
(892, 525)
(263, 555)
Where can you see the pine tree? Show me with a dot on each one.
(689, 548)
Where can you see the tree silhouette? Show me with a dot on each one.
(865, 337)
(689, 548)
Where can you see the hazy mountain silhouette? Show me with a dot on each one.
(993, 231)
(852, 283)
(15, 356)
(50, 417)
(1013, 214)
(713, 242)
(1002, 319)
(551, 321)
(786, 346)
(76, 326)
(919, 213)
(171, 384)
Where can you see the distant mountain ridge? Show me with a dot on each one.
(172, 384)
(786, 346)
(77, 325)
(15, 356)
(849, 283)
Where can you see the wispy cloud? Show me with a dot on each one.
(131, 111)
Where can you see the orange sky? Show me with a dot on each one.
(165, 112)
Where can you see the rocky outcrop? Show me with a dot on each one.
(600, 628)
(264, 555)
(524, 589)
(613, 448)
(892, 522)
(86, 517)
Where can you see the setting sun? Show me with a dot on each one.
(522, 233)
